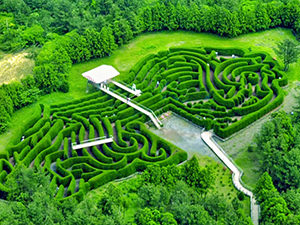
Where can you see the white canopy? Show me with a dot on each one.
(101, 73)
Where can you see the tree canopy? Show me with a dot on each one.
(288, 51)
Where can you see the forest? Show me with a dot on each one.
(277, 146)
(160, 195)
(165, 185)
(60, 33)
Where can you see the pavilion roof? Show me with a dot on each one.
(101, 73)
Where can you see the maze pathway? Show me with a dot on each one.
(150, 114)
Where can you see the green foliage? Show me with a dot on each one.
(288, 51)
(273, 207)
(161, 175)
(52, 67)
(122, 203)
(91, 31)
(34, 35)
(276, 141)
(200, 178)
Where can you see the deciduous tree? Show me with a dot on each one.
(288, 51)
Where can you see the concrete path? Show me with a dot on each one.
(149, 113)
(236, 173)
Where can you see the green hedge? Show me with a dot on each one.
(226, 51)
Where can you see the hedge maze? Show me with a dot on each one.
(220, 89)
(46, 143)
(206, 86)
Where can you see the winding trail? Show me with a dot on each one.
(236, 173)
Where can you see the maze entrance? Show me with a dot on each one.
(102, 75)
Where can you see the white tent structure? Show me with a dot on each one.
(100, 77)
(101, 74)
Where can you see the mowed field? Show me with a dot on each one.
(126, 56)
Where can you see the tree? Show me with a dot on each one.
(76, 46)
(276, 143)
(154, 195)
(52, 67)
(33, 36)
(156, 174)
(288, 51)
(107, 42)
(31, 199)
(263, 20)
(292, 198)
(191, 214)
(265, 189)
(274, 209)
(200, 178)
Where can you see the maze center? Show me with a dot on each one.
(220, 89)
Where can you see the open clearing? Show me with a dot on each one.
(14, 67)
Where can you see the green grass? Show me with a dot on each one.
(126, 56)
(223, 186)
(223, 182)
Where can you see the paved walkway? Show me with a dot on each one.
(236, 173)
(150, 114)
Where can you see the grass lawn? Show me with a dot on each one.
(126, 56)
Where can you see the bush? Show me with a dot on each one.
(241, 196)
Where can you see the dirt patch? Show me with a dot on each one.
(15, 66)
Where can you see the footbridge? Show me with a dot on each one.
(127, 101)
(102, 75)
(92, 142)
(136, 92)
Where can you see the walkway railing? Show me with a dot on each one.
(236, 176)
(127, 88)
(92, 142)
(135, 105)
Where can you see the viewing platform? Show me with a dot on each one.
(142, 109)
(124, 87)
(92, 142)
(102, 75)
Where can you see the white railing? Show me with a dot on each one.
(92, 140)
(127, 88)
(135, 105)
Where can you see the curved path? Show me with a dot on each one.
(236, 173)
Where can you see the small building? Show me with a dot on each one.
(101, 75)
